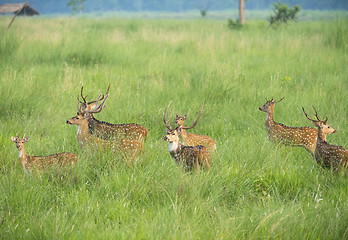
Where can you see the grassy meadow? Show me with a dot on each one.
(255, 189)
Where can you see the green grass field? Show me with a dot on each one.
(255, 189)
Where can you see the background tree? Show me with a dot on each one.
(77, 6)
(283, 13)
(241, 12)
(203, 11)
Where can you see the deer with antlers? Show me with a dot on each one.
(328, 155)
(108, 130)
(191, 139)
(294, 136)
(129, 148)
(192, 157)
(39, 163)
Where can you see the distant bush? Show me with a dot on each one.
(283, 13)
(234, 24)
(203, 11)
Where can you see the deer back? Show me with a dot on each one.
(294, 136)
(193, 157)
(44, 162)
(117, 131)
(127, 147)
(331, 156)
(191, 139)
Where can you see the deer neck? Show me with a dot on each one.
(92, 120)
(82, 132)
(23, 158)
(174, 147)
(184, 134)
(321, 136)
(269, 118)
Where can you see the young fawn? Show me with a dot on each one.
(108, 130)
(39, 163)
(294, 136)
(192, 157)
(129, 148)
(328, 155)
(193, 139)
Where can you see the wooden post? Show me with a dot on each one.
(24, 5)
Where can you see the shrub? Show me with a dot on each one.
(283, 13)
(234, 24)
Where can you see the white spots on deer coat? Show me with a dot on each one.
(293, 136)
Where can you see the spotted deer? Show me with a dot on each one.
(293, 136)
(191, 139)
(328, 155)
(191, 157)
(39, 163)
(108, 130)
(129, 148)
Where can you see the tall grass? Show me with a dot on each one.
(255, 189)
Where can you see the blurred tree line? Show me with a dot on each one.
(60, 6)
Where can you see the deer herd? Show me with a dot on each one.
(195, 152)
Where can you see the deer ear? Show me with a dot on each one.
(13, 139)
(177, 116)
(26, 139)
(185, 116)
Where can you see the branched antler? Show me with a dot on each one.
(165, 115)
(194, 123)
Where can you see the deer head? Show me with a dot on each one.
(180, 120)
(320, 124)
(20, 141)
(268, 104)
(83, 111)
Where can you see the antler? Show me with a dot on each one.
(100, 107)
(194, 123)
(164, 117)
(313, 120)
(107, 92)
(272, 100)
(279, 100)
(84, 98)
(317, 116)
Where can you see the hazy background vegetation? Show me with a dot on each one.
(60, 6)
(255, 189)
